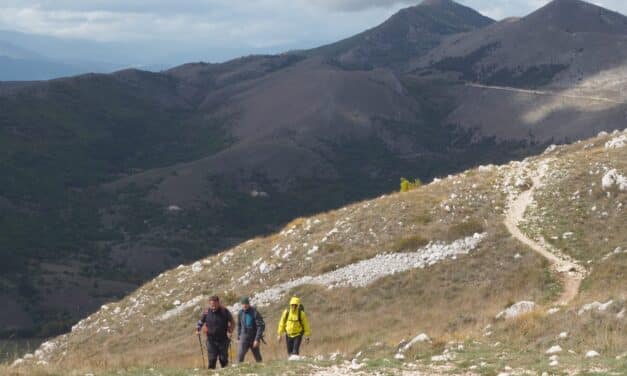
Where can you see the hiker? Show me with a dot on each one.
(218, 324)
(295, 325)
(250, 328)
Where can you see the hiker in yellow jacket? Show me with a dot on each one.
(295, 325)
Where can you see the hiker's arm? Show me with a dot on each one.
(231, 327)
(201, 322)
(239, 324)
(306, 327)
(261, 326)
(281, 329)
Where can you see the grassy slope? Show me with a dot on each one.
(451, 301)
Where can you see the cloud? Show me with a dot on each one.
(359, 5)
(207, 25)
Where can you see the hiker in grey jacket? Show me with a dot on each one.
(250, 327)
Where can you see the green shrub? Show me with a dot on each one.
(407, 185)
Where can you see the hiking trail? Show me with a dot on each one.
(545, 93)
(571, 274)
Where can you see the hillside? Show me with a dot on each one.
(538, 240)
(107, 180)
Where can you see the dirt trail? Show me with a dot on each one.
(571, 273)
(547, 93)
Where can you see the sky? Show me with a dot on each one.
(252, 26)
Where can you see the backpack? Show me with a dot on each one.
(256, 314)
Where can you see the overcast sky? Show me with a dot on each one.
(241, 24)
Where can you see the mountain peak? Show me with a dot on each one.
(580, 16)
(437, 3)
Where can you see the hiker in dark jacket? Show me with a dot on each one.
(250, 327)
(218, 324)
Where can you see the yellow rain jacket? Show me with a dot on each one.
(290, 323)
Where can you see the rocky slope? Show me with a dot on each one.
(446, 251)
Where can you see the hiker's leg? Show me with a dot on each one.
(212, 354)
(296, 347)
(257, 353)
(242, 349)
(223, 353)
(290, 344)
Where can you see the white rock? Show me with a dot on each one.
(563, 335)
(554, 350)
(592, 354)
(313, 250)
(621, 314)
(617, 142)
(612, 179)
(550, 149)
(294, 358)
(553, 311)
(418, 339)
(17, 362)
(197, 267)
(356, 365)
(554, 363)
(516, 310)
(595, 306)
(265, 268)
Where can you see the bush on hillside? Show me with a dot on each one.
(407, 185)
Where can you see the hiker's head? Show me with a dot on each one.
(245, 302)
(294, 303)
(214, 303)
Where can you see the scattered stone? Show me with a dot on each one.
(550, 149)
(554, 350)
(595, 306)
(516, 310)
(617, 142)
(563, 335)
(404, 348)
(592, 354)
(612, 179)
(197, 267)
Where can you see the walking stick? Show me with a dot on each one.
(202, 351)
(230, 353)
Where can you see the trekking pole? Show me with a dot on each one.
(202, 351)
(230, 353)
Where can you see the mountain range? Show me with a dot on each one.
(108, 179)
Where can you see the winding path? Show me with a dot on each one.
(571, 273)
(544, 92)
